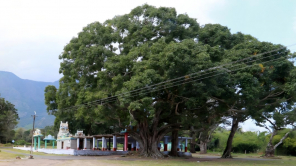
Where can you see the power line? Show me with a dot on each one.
(114, 98)
(111, 100)
(182, 80)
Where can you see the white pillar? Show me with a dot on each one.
(165, 143)
(132, 146)
(114, 143)
(77, 144)
(103, 143)
(159, 146)
(179, 145)
(185, 145)
(137, 146)
(85, 143)
(94, 142)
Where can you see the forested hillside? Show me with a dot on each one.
(27, 96)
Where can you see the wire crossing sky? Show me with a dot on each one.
(190, 78)
(33, 33)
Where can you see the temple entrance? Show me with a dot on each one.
(62, 144)
(81, 143)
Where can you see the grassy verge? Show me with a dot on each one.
(7, 156)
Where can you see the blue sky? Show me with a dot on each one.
(272, 21)
(33, 32)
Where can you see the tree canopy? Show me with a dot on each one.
(8, 120)
(129, 59)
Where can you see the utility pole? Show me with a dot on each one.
(34, 116)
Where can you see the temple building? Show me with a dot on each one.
(65, 140)
(79, 141)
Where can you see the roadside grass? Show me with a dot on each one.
(242, 155)
(6, 145)
(7, 156)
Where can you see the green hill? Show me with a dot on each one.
(27, 96)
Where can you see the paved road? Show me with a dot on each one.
(70, 157)
(117, 157)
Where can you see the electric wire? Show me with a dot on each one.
(192, 80)
(114, 98)
(182, 77)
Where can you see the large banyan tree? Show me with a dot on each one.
(120, 69)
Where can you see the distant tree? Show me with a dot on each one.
(19, 134)
(278, 119)
(8, 119)
(28, 135)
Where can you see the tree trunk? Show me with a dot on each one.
(148, 140)
(203, 147)
(269, 152)
(174, 143)
(227, 151)
(149, 135)
(148, 148)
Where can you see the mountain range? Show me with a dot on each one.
(27, 96)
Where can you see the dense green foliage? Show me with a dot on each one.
(8, 120)
(254, 142)
(249, 142)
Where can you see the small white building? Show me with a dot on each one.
(65, 140)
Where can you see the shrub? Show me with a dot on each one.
(248, 147)
(20, 142)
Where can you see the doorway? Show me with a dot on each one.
(81, 143)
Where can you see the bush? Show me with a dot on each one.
(242, 147)
(20, 142)
(8, 144)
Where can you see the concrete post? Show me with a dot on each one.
(125, 142)
(103, 143)
(114, 143)
(94, 143)
(34, 143)
(98, 144)
(53, 144)
(45, 144)
(77, 143)
(38, 142)
(165, 144)
(85, 143)
(133, 145)
(137, 146)
(186, 145)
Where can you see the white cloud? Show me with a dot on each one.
(33, 32)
